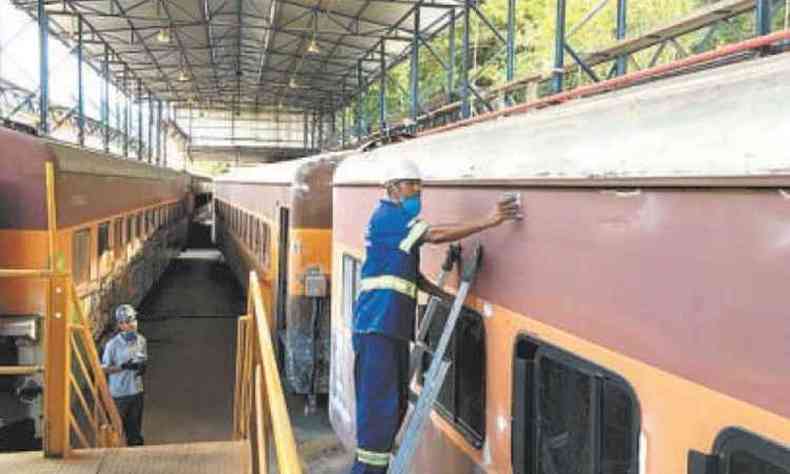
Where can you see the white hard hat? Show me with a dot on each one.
(125, 313)
(400, 170)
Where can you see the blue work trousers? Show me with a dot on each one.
(381, 371)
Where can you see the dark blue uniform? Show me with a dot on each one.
(383, 326)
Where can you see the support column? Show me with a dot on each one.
(57, 365)
(126, 112)
(383, 87)
(304, 130)
(510, 69)
(451, 60)
(763, 20)
(105, 102)
(415, 67)
(622, 61)
(80, 86)
(165, 131)
(358, 111)
(559, 47)
(43, 68)
(466, 110)
(158, 132)
(150, 128)
(139, 120)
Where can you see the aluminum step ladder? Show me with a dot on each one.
(434, 378)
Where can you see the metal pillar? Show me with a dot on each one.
(510, 69)
(150, 128)
(43, 68)
(320, 130)
(304, 131)
(762, 23)
(105, 101)
(158, 132)
(622, 61)
(80, 86)
(165, 133)
(466, 110)
(559, 47)
(451, 53)
(383, 87)
(415, 66)
(358, 111)
(126, 112)
(139, 120)
(343, 109)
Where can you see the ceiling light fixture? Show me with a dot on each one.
(292, 84)
(164, 35)
(312, 48)
(183, 76)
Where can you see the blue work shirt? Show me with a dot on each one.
(387, 301)
(117, 352)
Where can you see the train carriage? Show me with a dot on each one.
(276, 219)
(635, 321)
(118, 225)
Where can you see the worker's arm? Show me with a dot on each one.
(506, 210)
(108, 361)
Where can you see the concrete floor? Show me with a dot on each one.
(190, 323)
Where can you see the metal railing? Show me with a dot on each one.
(76, 396)
(260, 414)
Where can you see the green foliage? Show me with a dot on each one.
(534, 43)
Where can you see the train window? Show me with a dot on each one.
(81, 256)
(118, 232)
(351, 277)
(462, 396)
(257, 227)
(570, 415)
(104, 238)
(140, 231)
(742, 452)
(129, 228)
(264, 242)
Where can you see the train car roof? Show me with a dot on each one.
(723, 125)
(280, 173)
(73, 159)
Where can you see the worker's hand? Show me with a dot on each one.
(508, 208)
(129, 365)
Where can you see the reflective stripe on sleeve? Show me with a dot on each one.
(419, 228)
(389, 282)
(373, 458)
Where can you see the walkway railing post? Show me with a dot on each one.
(466, 110)
(622, 61)
(559, 47)
(43, 60)
(56, 371)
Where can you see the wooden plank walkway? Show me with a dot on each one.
(201, 458)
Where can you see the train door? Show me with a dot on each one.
(282, 270)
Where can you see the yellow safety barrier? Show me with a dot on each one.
(260, 414)
(76, 395)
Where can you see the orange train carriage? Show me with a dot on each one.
(276, 219)
(636, 320)
(118, 224)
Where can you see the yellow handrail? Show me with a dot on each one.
(260, 412)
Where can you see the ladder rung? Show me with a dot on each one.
(20, 369)
(27, 273)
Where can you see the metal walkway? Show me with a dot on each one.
(209, 458)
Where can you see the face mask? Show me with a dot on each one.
(412, 205)
(129, 336)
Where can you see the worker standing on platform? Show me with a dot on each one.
(385, 311)
(124, 361)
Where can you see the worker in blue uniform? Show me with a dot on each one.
(385, 311)
(124, 361)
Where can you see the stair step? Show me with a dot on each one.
(202, 458)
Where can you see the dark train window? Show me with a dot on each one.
(104, 238)
(129, 228)
(81, 256)
(570, 415)
(351, 277)
(118, 232)
(462, 397)
(264, 242)
(257, 229)
(140, 229)
(742, 452)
